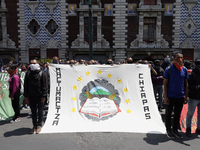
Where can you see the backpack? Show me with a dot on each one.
(169, 71)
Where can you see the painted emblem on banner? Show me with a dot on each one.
(99, 100)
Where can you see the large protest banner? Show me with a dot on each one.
(102, 98)
(6, 110)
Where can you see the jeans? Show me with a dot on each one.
(159, 89)
(192, 103)
(177, 105)
(37, 111)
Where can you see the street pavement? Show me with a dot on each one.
(16, 137)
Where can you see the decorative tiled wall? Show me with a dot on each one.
(42, 15)
(195, 18)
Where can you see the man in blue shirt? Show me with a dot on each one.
(175, 88)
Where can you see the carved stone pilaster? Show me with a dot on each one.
(32, 5)
(51, 5)
(52, 44)
(188, 43)
(83, 44)
(10, 43)
(34, 43)
(190, 4)
(138, 44)
(3, 4)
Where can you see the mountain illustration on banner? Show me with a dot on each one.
(99, 102)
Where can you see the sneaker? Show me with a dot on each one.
(188, 132)
(38, 130)
(197, 131)
(177, 134)
(23, 108)
(170, 135)
(15, 120)
(12, 121)
(33, 130)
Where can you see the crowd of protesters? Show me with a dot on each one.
(159, 72)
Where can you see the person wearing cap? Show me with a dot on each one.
(14, 91)
(194, 98)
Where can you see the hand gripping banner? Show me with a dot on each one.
(102, 98)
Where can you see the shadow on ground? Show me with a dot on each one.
(156, 139)
(17, 132)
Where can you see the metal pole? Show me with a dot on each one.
(90, 32)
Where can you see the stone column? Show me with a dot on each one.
(141, 25)
(120, 29)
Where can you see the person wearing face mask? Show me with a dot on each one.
(194, 98)
(166, 62)
(14, 91)
(55, 60)
(129, 60)
(35, 90)
(109, 62)
(175, 94)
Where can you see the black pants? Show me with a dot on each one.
(37, 110)
(175, 104)
(15, 104)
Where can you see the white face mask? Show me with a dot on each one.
(35, 67)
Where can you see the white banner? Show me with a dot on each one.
(102, 98)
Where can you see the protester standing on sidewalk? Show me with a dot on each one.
(35, 90)
(175, 88)
(14, 91)
(157, 81)
(194, 98)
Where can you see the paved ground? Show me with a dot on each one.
(16, 137)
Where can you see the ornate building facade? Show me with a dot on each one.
(8, 42)
(141, 29)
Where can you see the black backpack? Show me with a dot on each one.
(169, 71)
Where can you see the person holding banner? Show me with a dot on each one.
(14, 91)
(194, 98)
(35, 90)
(175, 88)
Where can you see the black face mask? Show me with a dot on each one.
(109, 62)
(129, 62)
